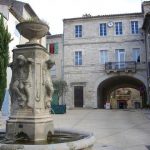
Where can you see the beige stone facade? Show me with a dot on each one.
(86, 73)
(56, 71)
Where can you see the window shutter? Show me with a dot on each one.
(51, 49)
(56, 48)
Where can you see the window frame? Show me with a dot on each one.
(53, 71)
(78, 31)
(137, 50)
(103, 57)
(118, 54)
(79, 61)
(102, 29)
(118, 28)
(134, 28)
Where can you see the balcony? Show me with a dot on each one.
(120, 66)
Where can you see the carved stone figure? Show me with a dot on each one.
(21, 80)
(48, 82)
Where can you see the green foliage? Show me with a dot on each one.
(35, 20)
(5, 39)
(60, 87)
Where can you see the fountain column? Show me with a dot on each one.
(31, 91)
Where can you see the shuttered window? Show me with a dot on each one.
(53, 48)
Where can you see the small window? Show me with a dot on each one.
(78, 58)
(134, 27)
(47, 47)
(53, 48)
(17, 34)
(53, 71)
(118, 28)
(103, 56)
(78, 31)
(103, 30)
(120, 55)
(136, 54)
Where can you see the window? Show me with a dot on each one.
(17, 34)
(53, 71)
(103, 56)
(120, 58)
(136, 54)
(134, 27)
(53, 48)
(47, 47)
(103, 31)
(78, 31)
(118, 28)
(78, 58)
(120, 55)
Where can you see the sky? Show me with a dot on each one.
(54, 11)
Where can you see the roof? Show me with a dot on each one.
(146, 2)
(54, 36)
(104, 16)
(16, 8)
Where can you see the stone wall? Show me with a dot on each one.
(92, 72)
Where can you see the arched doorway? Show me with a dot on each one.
(106, 87)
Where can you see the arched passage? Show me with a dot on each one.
(108, 85)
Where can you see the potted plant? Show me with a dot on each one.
(33, 29)
(60, 88)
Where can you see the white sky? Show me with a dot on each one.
(54, 11)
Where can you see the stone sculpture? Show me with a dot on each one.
(31, 86)
(48, 82)
(21, 82)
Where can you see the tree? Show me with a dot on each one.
(60, 87)
(5, 39)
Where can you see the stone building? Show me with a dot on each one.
(101, 54)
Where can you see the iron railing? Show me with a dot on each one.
(120, 66)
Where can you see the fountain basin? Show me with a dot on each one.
(76, 140)
(32, 30)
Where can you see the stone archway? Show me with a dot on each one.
(112, 83)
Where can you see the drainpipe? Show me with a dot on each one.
(62, 64)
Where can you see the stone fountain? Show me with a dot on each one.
(31, 91)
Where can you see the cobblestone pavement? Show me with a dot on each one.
(113, 129)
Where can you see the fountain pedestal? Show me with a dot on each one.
(31, 91)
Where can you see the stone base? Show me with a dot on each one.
(35, 128)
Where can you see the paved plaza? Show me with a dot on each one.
(113, 129)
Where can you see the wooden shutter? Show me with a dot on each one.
(51, 48)
(56, 48)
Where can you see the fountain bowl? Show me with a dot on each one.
(32, 31)
(85, 141)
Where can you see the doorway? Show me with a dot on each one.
(78, 96)
(122, 104)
